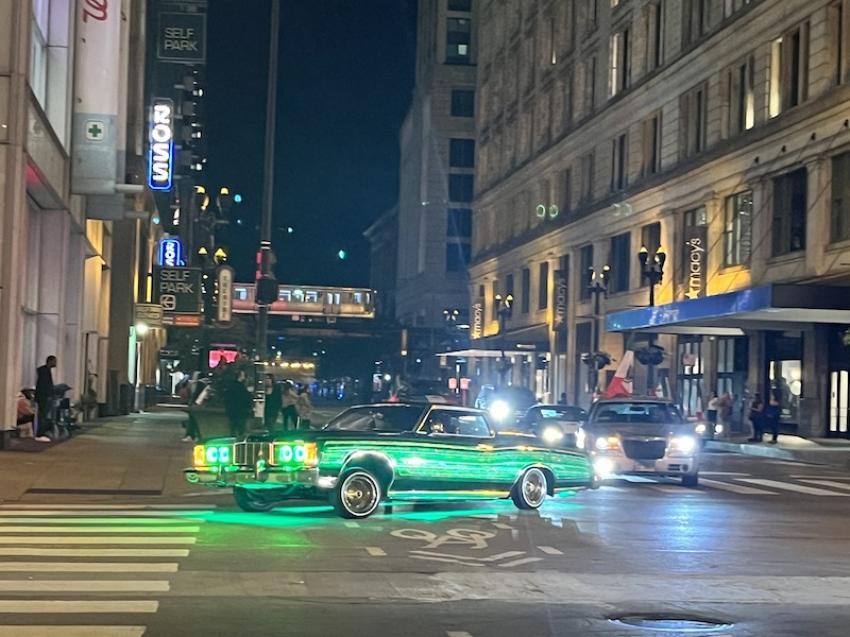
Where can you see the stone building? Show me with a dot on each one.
(716, 130)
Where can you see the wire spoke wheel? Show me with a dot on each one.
(530, 492)
(359, 495)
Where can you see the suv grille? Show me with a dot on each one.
(644, 449)
(248, 452)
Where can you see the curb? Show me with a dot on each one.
(822, 456)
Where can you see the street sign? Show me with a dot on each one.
(182, 37)
(178, 290)
(161, 145)
(171, 252)
(149, 313)
(477, 330)
(225, 277)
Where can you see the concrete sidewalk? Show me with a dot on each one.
(136, 455)
(825, 451)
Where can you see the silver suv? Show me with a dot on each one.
(634, 436)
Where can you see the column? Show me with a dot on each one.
(817, 215)
(815, 382)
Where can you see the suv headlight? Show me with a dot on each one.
(607, 443)
(683, 445)
(500, 410)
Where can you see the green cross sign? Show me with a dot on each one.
(94, 131)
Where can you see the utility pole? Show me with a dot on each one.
(266, 255)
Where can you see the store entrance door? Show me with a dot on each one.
(839, 404)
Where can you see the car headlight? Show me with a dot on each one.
(718, 429)
(297, 454)
(606, 443)
(683, 444)
(211, 455)
(700, 428)
(552, 435)
(500, 410)
(581, 439)
(603, 467)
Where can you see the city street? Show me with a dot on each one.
(760, 548)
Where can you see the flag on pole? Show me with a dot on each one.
(621, 386)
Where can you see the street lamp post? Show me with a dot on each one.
(598, 287)
(652, 271)
(504, 308)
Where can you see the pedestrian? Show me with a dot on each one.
(26, 414)
(304, 405)
(237, 404)
(45, 398)
(711, 412)
(772, 413)
(757, 418)
(198, 395)
(724, 412)
(290, 411)
(563, 399)
(273, 402)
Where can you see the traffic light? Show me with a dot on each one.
(193, 144)
(651, 355)
(266, 290)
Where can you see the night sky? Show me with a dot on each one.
(345, 82)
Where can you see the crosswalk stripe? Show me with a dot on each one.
(102, 513)
(796, 488)
(550, 550)
(39, 606)
(75, 539)
(72, 631)
(85, 586)
(88, 567)
(830, 483)
(128, 507)
(458, 633)
(638, 479)
(802, 477)
(26, 551)
(375, 551)
(99, 529)
(107, 520)
(735, 488)
(671, 488)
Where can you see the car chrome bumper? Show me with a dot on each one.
(216, 477)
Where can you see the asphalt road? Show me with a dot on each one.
(762, 548)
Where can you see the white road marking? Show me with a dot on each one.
(491, 558)
(638, 480)
(735, 488)
(503, 526)
(820, 477)
(85, 586)
(445, 559)
(374, 551)
(103, 513)
(796, 488)
(830, 483)
(88, 567)
(75, 539)
(550, 550)
(352, 525)
(72, 631)
(139, 522)
(525, 560)
(27, 606)
(96, 506)
(458, 633)
(7, 551)
(671, 488)
(99, 529)
(723, 473)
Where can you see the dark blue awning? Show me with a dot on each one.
(764, 307)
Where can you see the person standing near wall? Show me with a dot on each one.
(45, 398)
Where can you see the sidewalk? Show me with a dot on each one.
(825, 451)
(136, 455)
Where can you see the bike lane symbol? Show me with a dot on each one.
(473, 538)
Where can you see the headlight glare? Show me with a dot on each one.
(500, 410)
(700, 428)
(683, 444)
(552, 435)
(607, 442)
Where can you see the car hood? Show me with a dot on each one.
(318, 435)
(629, 430)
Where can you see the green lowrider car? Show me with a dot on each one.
(391, 452)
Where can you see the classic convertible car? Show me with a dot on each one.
(392, 452)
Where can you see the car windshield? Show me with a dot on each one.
(636, 413)
(396, 418)
(518, 397)
(557, 413)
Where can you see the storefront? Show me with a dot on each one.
(780, 340)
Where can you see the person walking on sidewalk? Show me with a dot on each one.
(711, 412)
(290, 411)
(757, 418)
(772, 412)
(45, 397)
(237, 404)
(305, 408)
(273, 402)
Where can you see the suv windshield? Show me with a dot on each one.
(636, 413)
(560, 412)
(395, 418)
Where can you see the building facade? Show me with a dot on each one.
(68, 137)
(716, 130)
(437, 179)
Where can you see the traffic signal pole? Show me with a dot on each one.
(266, 255)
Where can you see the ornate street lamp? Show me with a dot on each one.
(652, 271)
(504, 309)
(598, 287)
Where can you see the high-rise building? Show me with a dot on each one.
(714, 130)
(437, 181)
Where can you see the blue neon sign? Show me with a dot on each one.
(161, 142)
(171, 253)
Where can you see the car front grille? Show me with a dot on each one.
(247, 453)
(644, 449)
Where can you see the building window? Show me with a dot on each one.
(495, 306)
(461, 188)
(789, 70)
(838, 35)
(589, 94)
(693, 110)
(740, 83)
(38, 52)
(654, 15)
(619, 178)
(651, 158)
(551, 50)
(619, 61)
(585, 258)
(789, 212)
(458, 41)
(460, 5)
(840, 214)
(509, 285)
(730, 7)
(462, 153)
(463, 103)
(566, 190)
(737, 229)
(695, 20)
(543, 286)
(459, 222)
(457, 256)
(525, 296)
(650, 237)
(587, 177)
(621, 259)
